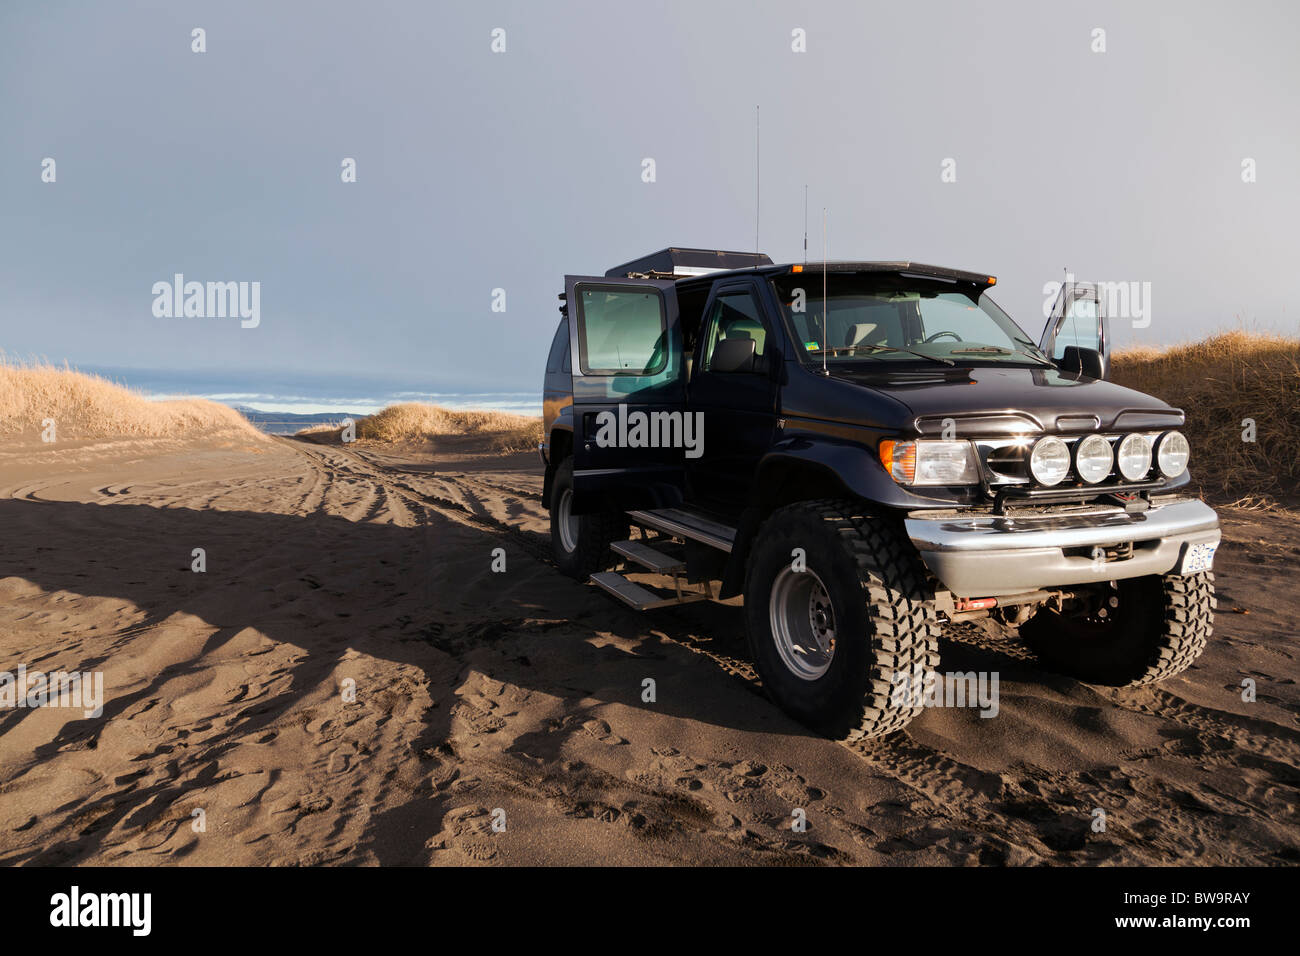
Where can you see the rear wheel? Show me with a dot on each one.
(845, 638)
(1127, 633)
(580, 543)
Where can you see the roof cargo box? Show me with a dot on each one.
(677, 262)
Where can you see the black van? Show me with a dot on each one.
(865, 451)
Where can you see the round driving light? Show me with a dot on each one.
(1172, 454)
(1134, 457)
(1049, 462)
(1093, 459)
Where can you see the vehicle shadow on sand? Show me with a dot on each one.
(423, 596)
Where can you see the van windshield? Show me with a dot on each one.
(892, 318)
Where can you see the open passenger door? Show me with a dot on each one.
(1077, 335)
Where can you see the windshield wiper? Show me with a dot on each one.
(996, 350)
(1034, 351)
(882, 348)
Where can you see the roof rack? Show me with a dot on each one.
(677, 262)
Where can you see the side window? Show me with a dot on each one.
(621, 331)
(559, 348)
(735, 316)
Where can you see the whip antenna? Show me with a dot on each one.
(757, 179)
(825, 341)
(805, 224)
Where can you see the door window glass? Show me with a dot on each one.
(622, 331)
(1081, 327)
(735, 316)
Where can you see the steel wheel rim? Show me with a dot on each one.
(568, 523)
(802, 621)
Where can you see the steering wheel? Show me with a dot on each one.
(936, 335)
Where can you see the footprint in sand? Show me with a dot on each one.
(480, 721)
(601, 731)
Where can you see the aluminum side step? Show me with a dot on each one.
(638, 596)
(641, 553)
(687, 524)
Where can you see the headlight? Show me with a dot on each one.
(927, 462)
(1134, 457)
(1172, 453)
(1093, 459)
(1049, 462)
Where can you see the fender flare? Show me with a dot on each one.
(826, 467)
(559, 432)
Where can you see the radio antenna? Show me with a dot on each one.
(757, 180)
(805, 223)
(825, 341)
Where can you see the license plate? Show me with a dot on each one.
(1198, 557)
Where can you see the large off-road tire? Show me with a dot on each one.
(847, 645)
(1158, 627)
(580, 543)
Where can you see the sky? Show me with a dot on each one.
(479, 170)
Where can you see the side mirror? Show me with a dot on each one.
(733, 355)
(1082, 361)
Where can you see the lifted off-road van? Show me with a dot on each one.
(866, 451)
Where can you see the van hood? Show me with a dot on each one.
(1008, 399)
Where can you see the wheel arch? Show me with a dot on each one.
(784, 478)
(559, 446)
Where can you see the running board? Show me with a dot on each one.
(688, 525)
(639, 597)
(641, 553)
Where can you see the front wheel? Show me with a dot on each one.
(840, 621)
(580, 543)
(1127, 633)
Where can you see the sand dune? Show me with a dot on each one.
(41, 402)
(520, 691)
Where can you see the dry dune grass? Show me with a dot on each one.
(1219, 382)
(86, 406)
(503, 432)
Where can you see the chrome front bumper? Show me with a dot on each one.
(990, 556)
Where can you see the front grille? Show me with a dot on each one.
(1005, 462)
